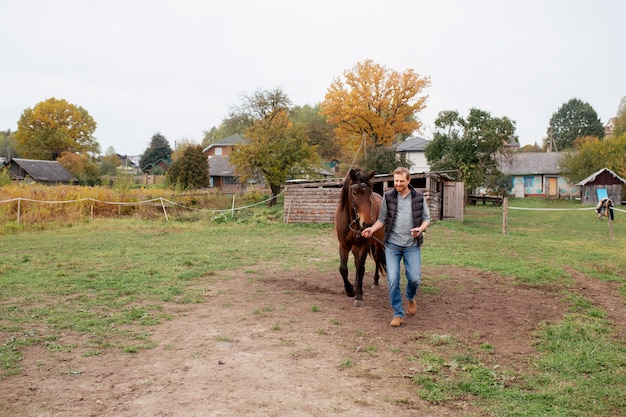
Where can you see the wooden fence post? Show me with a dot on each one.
(505, 214)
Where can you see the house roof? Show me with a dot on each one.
(412, 144)
(592, 177)
(44, 171)
(231, 140)
(219, 166)
(530, 163)
(163, 163)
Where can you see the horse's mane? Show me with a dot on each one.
(347, 182)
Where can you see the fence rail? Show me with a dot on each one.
(164, 203)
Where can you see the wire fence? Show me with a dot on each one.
(162, 202)
(506, 208)
(560, 209)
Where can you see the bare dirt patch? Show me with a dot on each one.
(282, 343)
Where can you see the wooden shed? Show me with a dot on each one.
(45, 172)
(602, 179)
(315, 201)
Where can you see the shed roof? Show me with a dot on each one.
(44, 171)
(592, 177)
(530, 163)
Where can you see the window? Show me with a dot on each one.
(528, 182)
(218, 151)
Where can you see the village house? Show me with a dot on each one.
(412, 150)
(536, 174)
(221, 172)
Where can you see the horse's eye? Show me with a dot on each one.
(353, 192)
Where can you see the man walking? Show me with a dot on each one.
(405, 215)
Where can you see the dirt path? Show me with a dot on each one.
(284, 344)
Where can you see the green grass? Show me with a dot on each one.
(579, 371)
(539, 247)
(113, 280)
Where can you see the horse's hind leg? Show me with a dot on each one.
(343, 270)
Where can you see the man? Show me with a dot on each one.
(405, 215)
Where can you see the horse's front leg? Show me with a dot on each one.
(359, 263)
(343, 270)
(377, 259)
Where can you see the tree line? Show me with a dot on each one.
(364, 114)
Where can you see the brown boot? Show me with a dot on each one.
(396, 322)
(412, 307)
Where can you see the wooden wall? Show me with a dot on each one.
(316, 201)
(590, 193)
(311, 202)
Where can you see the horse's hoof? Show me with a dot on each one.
(375, 286)
(359, 303)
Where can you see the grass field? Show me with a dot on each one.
(110, 278)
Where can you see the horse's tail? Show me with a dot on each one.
(377, 251)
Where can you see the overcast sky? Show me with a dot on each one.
(177, 66)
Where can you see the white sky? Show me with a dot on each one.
(177, 66)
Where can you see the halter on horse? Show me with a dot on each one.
(357, 209)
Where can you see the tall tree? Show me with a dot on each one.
(190, 170)
(382, 159)
(374, 106)
(319, 131)
(109, 162)
(181, 147)
(574, 119)
(470, 147)
(620, 118)
(158, 149)
(82, 166)
(277, 147)
(592, 154)
(53, 127)
(8, 144)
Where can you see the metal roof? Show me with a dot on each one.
(592, 177)
(44, 171)
(530, 163)
(219, 166)
(231, 140)
(412, 144)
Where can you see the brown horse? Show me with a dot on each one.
(357, 209)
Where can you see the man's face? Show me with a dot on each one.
(400, 182)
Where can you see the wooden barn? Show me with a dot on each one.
(602, 179)
(315, 201)
(44, 172)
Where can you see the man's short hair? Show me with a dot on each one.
(402, 171)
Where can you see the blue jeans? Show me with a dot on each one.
(411, 256)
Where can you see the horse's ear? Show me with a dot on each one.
(353, 175)
(371, 175)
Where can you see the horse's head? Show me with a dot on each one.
(359, 192)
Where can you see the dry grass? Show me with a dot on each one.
(34, 204)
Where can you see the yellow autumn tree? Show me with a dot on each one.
(53, 127)
(81, 166)
(374, 105)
